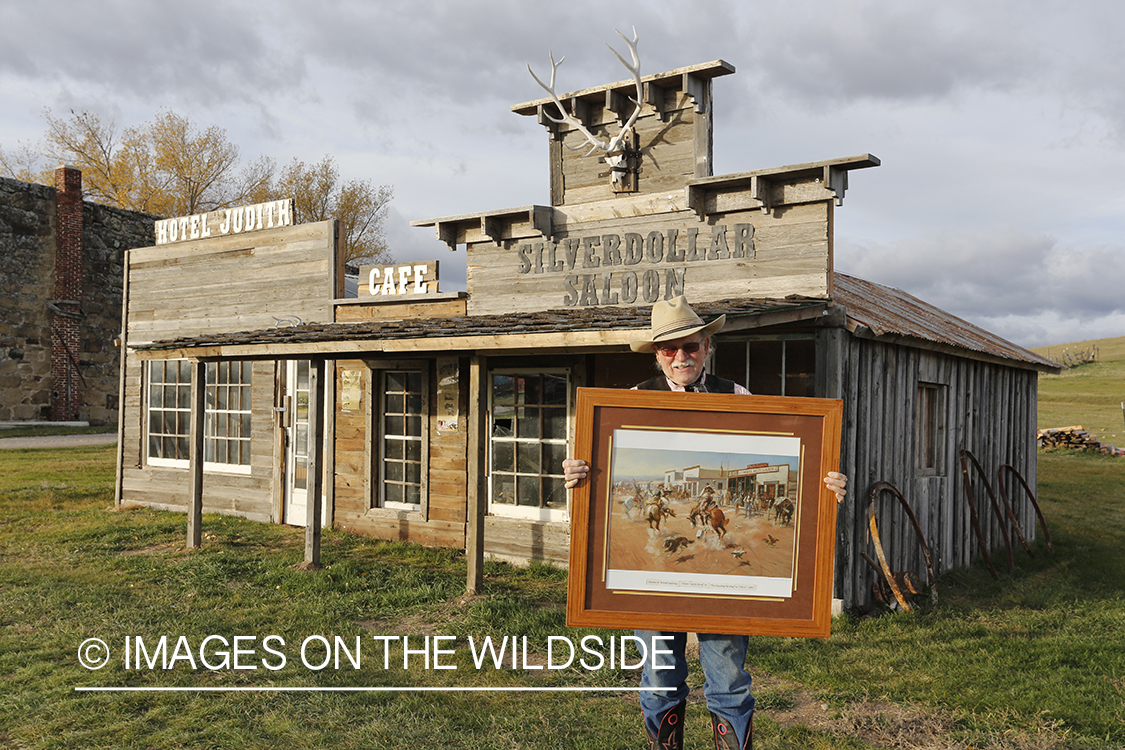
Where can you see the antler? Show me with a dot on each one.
(615, 145)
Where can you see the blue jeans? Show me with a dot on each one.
(726, 686)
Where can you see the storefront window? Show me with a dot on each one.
(781, 366)
(402, 442)
(528, 429)
(226, 425)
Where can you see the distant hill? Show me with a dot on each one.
(1089, 395)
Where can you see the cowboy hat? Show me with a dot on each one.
(674, 319)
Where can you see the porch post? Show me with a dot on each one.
(477, 493)
(195, 453)
(316, 458)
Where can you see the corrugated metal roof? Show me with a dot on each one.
(889, 311)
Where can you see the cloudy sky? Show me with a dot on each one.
(1000, 124)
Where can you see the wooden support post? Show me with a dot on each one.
(474, 524)
(316, 465)
(195, 454)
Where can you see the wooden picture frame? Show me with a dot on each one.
(660, 558)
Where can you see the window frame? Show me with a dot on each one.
(746, 361)
(210, 416)
(376, 412)
(514, 510)
(931, 425)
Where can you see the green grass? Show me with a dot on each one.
(1032, 660)
(45, 430)
(1088, 395)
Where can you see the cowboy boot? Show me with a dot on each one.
(725, 737)
(670, 735)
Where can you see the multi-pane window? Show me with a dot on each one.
(402, 451)
(528, 428)
(779, 366)
(930, 449)
(169, 409)
(226, 429)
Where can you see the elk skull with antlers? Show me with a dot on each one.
(617, 148)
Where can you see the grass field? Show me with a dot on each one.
(1031, 661)
(1034, 660)
(1090, 395)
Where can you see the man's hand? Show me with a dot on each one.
(835, 481)
(574, 470)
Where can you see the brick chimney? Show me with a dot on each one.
(66, 307)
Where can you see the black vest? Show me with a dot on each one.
(714, 383)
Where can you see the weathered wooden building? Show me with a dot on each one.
(448, 415)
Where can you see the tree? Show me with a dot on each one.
(168, 167)
(359, 206)
(165, 167)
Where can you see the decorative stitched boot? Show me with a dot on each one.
(670, 735)
(725, 737)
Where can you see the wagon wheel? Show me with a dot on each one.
(1031, 497)
(965, 453)
(891, 578)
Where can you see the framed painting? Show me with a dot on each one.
(704, 513)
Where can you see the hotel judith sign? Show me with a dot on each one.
(226, 221)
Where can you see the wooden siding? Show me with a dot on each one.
(358, 312)
(442, 522)
(790, 256)
(233, 283)
(667, 148)
(989, 410)
(166, 488)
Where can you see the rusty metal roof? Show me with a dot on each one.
(888, 311)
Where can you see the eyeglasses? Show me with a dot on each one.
(669, 350)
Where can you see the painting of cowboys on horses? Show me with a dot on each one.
(706, 512)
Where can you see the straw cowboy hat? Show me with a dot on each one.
(674, 319)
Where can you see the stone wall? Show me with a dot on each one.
(28, 219)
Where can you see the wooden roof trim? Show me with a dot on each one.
(492, 224)
(509, 343)
(672, 79)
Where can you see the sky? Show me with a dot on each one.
(1000, 125)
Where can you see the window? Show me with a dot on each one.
(528, 428)
(403, 448)
(930, 442)
(226, 421)
(169, 410)
(226, 425)
(777, 366)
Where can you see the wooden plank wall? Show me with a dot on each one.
(990, 410)
(166, 488)
(443, 522)
(232, 283)
(791, 256)
(586, 178)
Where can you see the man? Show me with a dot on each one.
(682, 342)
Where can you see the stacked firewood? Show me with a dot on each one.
(1073, 439)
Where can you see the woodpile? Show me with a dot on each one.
(1073, 439)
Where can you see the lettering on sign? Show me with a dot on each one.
(594, 269)
(761, 469)
(225, 221)
(404, 279)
